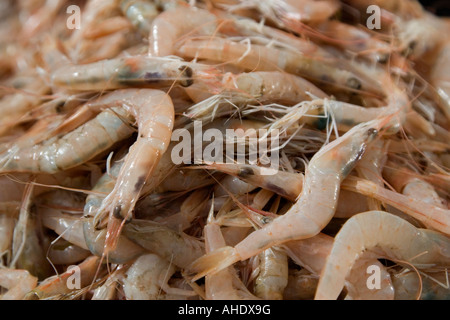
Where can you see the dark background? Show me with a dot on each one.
(438, 7)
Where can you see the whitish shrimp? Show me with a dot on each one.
(224, 285)
(74, 148)
(154, 114)
(147, 279)
(411, 185)
(311, 212)
(398, 239)
(262, 58)
(18, 283)
(137, 71)
(66, 253)
(168, 27)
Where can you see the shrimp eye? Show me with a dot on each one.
(186, 73)
(372, 132)
(354, 83)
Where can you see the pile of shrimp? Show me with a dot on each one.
(93, 97)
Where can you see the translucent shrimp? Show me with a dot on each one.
(286, 184)
(147, 279)
(261, 58)
(18, 283)
(323, 177)
(398, 239)
(224, 285)
(154, 113)
(136, 71)
(168, 27)
(72, 149)
(430, 215)
(411, 185)
(273, 274)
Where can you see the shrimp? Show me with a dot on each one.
(261, 58)
(409, 184)
(74, 148)
(148, 276)
(397, 238)
(154, 113)
(430, 215)
(225, 285)
(63, 252)
(168, 27)
(18, 283)
(337, 159)
(273, 274)
(135, 71)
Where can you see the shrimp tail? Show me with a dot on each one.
(213, 262)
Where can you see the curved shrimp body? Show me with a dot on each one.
(171, 25)
(314, 208)
(154, 114)
(398, 239)
(72, 149)
(136, 71)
